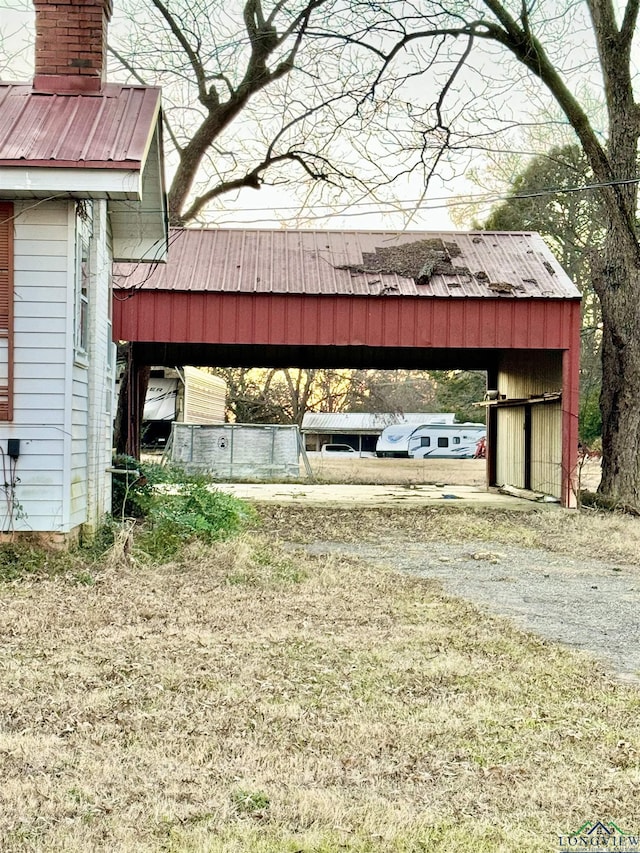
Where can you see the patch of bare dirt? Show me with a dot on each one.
(538, 569)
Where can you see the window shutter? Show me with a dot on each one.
(6, 311)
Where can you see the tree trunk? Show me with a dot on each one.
(618, 286)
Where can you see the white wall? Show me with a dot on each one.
(41, 365)
(100, 372)
(62, 397)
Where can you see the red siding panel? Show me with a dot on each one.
(570, 408)
(239, 318)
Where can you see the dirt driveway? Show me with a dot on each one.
(591, 605)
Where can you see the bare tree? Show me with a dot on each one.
(552, 45)
(252, 94)
(573, 225)
(248, 100)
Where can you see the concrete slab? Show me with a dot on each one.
(378, 496)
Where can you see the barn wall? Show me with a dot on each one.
(302, 319)
(546, 449)
(523, 374)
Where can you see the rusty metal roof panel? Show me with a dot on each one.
(358, 263)
(109, 129)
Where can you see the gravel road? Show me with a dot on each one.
(588, 605)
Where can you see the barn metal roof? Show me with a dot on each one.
(110, 129)
(357, 263)
(366, 421)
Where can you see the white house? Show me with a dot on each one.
(81, 185)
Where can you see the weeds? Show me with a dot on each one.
(250, 803)
(157, 513)
(174, 507)
(193, 511)
(17, 561)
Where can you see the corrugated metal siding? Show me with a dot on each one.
(510, 452)
(522, 375)
(204, 397)
(109, 129)
(335, 262)
(241, 318)
(363, 421)
(546, 449)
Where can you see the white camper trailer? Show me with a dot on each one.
(187, 395)
(393, 441)
(446, 441)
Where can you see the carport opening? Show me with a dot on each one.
(356, 406)
(520, 392)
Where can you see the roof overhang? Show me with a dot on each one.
(140, 226)
(133, 184)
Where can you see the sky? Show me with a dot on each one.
(276, 207)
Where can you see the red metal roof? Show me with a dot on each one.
(356, 263)
(110, 129)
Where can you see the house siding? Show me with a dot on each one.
(41, 261)
(62, 403)
(79, 445)
(100, 373)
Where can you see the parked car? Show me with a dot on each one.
(337, 449)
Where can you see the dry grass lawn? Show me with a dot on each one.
(459, 472)
(261, 700)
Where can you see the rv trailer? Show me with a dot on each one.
(393, 441)
(446, 441)
(185, 394)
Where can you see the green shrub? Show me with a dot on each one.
(590, 418)
(176, 506)
(192, 510)
(131, 491)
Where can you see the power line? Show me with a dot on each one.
(403, 206)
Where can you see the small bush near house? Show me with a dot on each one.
(176, 507)
(131, 490)
(191, 510)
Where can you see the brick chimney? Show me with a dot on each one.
(71, 45)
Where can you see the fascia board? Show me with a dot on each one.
(17, 182)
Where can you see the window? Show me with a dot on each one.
(6, 311)
(443, 441)
(84, 216)
(425, 441)
(456, 439)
